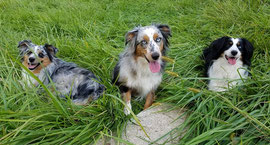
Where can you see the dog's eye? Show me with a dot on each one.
(238, 44)
(158, 39)
(143, 42)
(41, 55)
(231, 43)
(29, 52)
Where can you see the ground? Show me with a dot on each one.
(91, 34)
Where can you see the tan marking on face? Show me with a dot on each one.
(155, 36)
(25, 62)
(45, 62)
(222, 55)
(140, 51)
(146, 38)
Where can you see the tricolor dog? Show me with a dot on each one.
(226, 62)
(140, 67)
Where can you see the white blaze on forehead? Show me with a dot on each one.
(234, 45)
(149, 32)
(36, 49)
(235, 41)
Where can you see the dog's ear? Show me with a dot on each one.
(166, 33)
(248, 51)
(51, 49)
(130, 42)
(165, 30)
(24, 45)
(216, 47)
(214, 50)
(131, 35)
(219, 43)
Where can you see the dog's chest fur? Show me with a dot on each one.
(224, 73)
(30, 81)
(136, 75)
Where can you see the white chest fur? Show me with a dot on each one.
(224, 75)
(29, 81)
(137, 75)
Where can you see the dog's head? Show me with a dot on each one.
(232, 49)
(150, 43)
(35, 57)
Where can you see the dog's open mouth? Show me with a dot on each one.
(231, 60)
(153, 65)
(33, 66)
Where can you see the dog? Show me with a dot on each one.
(65, 78)
(227, 61)
(140, 67)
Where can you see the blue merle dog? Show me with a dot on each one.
(67, 79)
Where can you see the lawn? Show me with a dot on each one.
(91, 34)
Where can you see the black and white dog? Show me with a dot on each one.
(139, 69)
(226, 62)
(65, 78)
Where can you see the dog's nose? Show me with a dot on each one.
(234, 52)
(31, 59)
(155, 55)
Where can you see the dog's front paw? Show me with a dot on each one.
(126, 109)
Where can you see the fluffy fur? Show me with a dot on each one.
(65, 78)
(139, 69)
(226, 62)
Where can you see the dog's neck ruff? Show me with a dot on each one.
(223, 74)
(136, 75)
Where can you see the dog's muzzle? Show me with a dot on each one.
(155, 55)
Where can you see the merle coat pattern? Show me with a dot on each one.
(67, 79)
(132, 74)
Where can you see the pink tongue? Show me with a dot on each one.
(32, 66)
(154, 66)
(232, 61)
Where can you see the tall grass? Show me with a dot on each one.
(91, 34)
